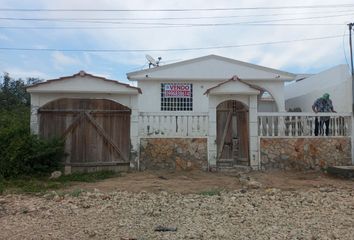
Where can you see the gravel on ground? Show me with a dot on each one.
(255, 210)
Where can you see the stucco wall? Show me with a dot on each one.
(150, 100)
(40, 99)
(304, 153)
(173, 153)
(267, 106)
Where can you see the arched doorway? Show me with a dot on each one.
(232, 133)
(96, 132)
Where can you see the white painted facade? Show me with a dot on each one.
(210, 72)
(215, 80)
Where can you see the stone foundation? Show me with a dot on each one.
(173, 153)
(304, 153)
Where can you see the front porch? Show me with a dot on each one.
(276, 140)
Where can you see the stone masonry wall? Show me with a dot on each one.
(173, 153)
(304, 153)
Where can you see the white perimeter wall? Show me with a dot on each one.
(336, 81)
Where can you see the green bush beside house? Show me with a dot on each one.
(22, 153)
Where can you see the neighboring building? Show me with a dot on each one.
(205, 113)
(336, 81)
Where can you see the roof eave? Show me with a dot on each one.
(81, 73)
(251, 65)
(204, 79)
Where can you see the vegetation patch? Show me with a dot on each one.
(211, 192)
(87, 177)
(76, 192)
(23, 153)
(43, 184)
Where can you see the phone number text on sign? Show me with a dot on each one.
(177, 90)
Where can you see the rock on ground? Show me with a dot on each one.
(249, 214)
(55, 175)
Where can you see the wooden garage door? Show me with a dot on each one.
(96, 131)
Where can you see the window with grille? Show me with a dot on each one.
(176, 97)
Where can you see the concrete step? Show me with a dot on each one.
(225, 163)
(234, 169)
(341, 171)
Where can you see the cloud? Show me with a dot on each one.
(25, 73)
(3, 37)
(61, 60)
(297, 56)
(101, 74)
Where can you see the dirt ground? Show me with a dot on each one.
(190, 205)
(197, 181)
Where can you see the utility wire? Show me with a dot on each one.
(168, 25)
(166, 18)
(174, 9)
(215, 24)
(169, 49)
(158, 27)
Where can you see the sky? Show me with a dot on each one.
(240, 23)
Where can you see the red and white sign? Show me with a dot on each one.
(181, 90)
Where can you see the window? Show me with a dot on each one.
(176, 97)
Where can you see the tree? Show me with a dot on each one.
(22, 153)
(13, 92)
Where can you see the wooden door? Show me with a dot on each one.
(232, 132)
(96, 131)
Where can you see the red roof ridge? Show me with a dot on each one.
(82, 73)
(233, 78)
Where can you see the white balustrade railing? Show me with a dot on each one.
(298, 124)
(173, 124)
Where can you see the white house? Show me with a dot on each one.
(217, 94)
(205, 113)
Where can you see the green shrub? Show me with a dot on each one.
(2, 185)
(22, 153)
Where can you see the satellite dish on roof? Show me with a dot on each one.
(152, 61)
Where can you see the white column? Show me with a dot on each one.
(134, 133)
(212, 147)
(253, 133)
(34, 122)
(352, 137)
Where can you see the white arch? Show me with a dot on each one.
(275, 89)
